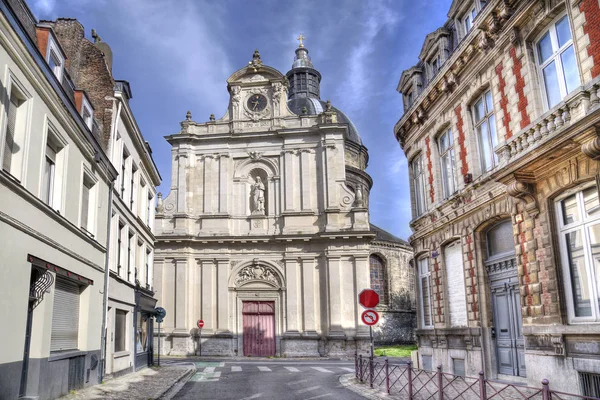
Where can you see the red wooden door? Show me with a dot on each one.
(259, 328)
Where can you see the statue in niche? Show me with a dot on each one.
(258, 197)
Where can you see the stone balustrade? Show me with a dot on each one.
(552, 123)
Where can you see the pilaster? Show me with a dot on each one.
(293, 299)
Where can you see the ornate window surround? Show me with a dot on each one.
(563, 229)
(424, 274)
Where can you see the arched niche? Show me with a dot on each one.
(245, 177)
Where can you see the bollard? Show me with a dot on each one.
(409, 375)
(545, 389)
(371, 372)
(387, 376)
(440, 383)
(356, 365)
(482, 388)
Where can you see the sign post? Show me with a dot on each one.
(160, 314)
(200, 324)
(368, 298)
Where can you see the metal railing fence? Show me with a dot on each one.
(418, 384)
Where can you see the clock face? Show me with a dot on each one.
(257, 102)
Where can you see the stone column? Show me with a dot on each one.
(168, 294)
(305, 168)
(288, 161)
(293, 300)
(222, 296)
(209, 183)
(334, 277)
(181, 290)
(181, 186)
(223, 183)
(310, 294)
(363, 277)
(208, 296)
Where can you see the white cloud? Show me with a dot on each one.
(43, 8)
(399, 166)
(186, 42)
(378, 16)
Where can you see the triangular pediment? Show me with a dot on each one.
(431, 41)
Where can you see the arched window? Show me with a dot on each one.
(379, 278)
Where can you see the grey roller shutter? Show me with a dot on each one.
(10, 134)
(65, 316)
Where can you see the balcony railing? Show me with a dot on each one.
(552, 123)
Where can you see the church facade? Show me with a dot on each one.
(265, 233)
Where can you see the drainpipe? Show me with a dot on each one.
(102, 366)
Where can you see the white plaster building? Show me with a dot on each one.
(54, 183)
(265, 233)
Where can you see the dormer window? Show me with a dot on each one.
(469, 17)
(55, 57)
(410, 98)
(87, 112)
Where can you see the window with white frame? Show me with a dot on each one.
(87, 117)
(446, 150)
(418, 182)
(485, 125)
(53, 170)
(556, 61)
(579, 233)
(147, 274)
(132, 188)
(120, 247)
(124, 162)
(55, 58)
(469, 16)
(425, 292)
(13, 149)
(149, 210)
(88, 202)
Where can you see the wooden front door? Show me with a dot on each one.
(259, 328)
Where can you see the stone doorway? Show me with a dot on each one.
(507, 332)
(259, 328)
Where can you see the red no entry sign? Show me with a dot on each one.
(368, 298)
(200, 323)
(370, 317)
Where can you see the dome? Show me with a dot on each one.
(317, 106)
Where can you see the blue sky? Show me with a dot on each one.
(178, 54)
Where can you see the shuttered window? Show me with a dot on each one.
(9, 142)
(457, 299)
(65, 316)
(85, 205)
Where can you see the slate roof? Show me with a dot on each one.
(385, 236)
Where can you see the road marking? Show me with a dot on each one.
(236, 369)
(321, 369)
(206, 377)
(319, 396)
(265, 369)
(254, 396)
(308, 389)
(292, 369)
(209, 369)
(298, 382)
(347, 369)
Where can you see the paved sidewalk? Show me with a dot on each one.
(146, 384)
(350, 382)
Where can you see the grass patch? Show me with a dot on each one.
(395, 351)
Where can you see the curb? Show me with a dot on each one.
(349, 382)
(183, 377)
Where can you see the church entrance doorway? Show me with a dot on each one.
(507, 333)
(259, 328)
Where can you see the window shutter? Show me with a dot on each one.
(65, 316)
(85, 205)
(10, 134)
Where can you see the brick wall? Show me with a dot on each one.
(591, 27)
(462, 149)
(88, 69)
(503, 102)
(430, 169)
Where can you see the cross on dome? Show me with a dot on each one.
(301, 38)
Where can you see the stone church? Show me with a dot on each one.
(265, 234)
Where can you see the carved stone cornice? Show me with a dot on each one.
(591, 148)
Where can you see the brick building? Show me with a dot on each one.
(501, 133)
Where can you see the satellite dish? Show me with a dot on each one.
(159, 314)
